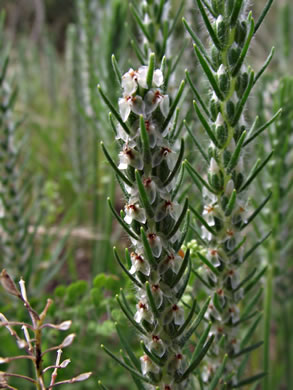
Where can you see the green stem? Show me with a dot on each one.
(267, 325)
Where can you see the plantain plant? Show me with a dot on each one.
(227, 274)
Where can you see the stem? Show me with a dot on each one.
(267, 325)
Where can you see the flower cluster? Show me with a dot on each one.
(225, 212)
(148, 171)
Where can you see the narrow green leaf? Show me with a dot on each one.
(201, 279)
(179, 220)
(140, 22)
(201, 341)
(113, 110)
(248, 335)
(183, 286)
(237, 247)
(203, 221)
(255, 172)
(177, 165)
(128, 368)
(243, 100)
(173, 106)
(256, 212)
(196, 322)
(209, 26)
(151, 300)
(160, 11)
(151, 68)
(246, 350)
(182, 269)
(235, 13)
(193, 173)
(143, 195)
(196, 93)
(192, 136)
(129, 316)
(208, 263)
(198, 43)
(121, 221)
(205, 124)
(116, 69)
(253, 302)
(153, 357)
(262, 128)
(209, 8)
(231, 203)
(245, 280)
(138, 52)
(255, 280)
(128, 348)
(265, 65)
(255, 246)
(176, 17)
(177, 246)
(112, 123)
(206, 68)
(114, 166)
(187, 321)
(100, 384)
(131, 277)
(197, 360)
(263, 15)
(236, 154)
(245, 47)
(249, 381)
(218, 374)
(147, 248)
(178, 184)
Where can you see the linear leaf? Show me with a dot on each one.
(192, 136)
(252, 176)
(131, 277)
(177, 164)
(121, 221)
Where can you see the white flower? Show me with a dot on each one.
(129, 156)
(133, 211)
(142, 77)
(175, 314)
(155, 244)
(121, 134)
(154, 98)
(151, 188)
(129, 82)
(173, 261)
(155, 137)
(143, 312)
(139, 264)
(157, 294)
(157, 346)
(130, 103)
(231, 279)
(147, 365)
(213, 257)
(209, 212)
(167, 207)
(212, 313)
(164, 153)
(233, 314)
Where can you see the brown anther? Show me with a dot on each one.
(220, 330)
(181, 253)
(175, 308)
(168, 203)
(155, 287)
(209, 209)
(167, 387)
(152, 236)
(230, 233)
(147, 182)
(220, 292)
(155, 338)
(179, 356)
(213, 252)
(157, 95)
(131, 207)
(165, 151)
(141, 305)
